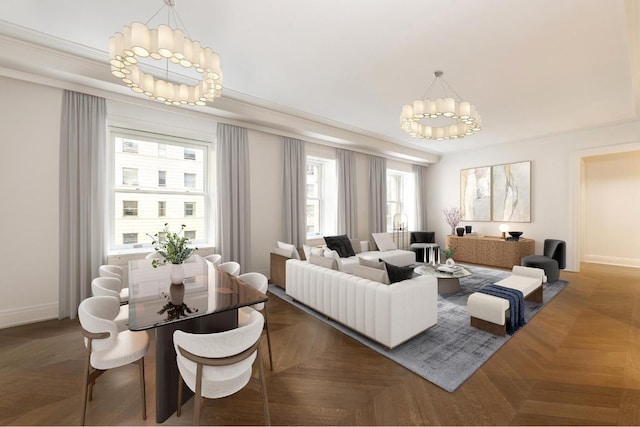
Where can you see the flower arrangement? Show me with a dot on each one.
(173, 248)
(453, 216)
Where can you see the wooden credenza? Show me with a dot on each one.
(493, 251)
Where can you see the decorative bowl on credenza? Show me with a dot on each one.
(515, 235)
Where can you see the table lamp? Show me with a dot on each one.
(504, 228)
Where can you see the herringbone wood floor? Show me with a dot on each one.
(576, 362)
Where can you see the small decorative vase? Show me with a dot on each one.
(467, 229)
(177, 274)
(453, 230)
(176, 292)
(460, 231)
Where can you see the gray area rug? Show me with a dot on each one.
(451, 351)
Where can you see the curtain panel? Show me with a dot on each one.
(421, 197)
(294, 178)
(377, 194)
(82, 202)
(347, 196)
(233, 202)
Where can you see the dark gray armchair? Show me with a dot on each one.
(553, 260)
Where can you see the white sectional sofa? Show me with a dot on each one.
(388, 314)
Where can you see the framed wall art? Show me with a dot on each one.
(511, 192)
(475, 194)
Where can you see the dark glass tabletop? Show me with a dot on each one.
(154, 302)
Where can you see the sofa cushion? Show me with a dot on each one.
(398, 274)
(340, 244)
(291, 248)
(398, 257)
(282, 252)
(356, 245)
(371, 273)
(371, 263)
(323, 262)
(384, 242)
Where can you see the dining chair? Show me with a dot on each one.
(230, 267)
(110, 287)
(259, 282)
(106, 348)
(215, 259)
(220, 364)
(110, 270)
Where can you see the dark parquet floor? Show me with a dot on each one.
(575, 363)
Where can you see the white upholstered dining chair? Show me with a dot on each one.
(110, 287)
(259, 282)
(220, 364)
(110, 270)
(106, 348)
(215, 259)
(230, 267)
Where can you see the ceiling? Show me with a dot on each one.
(532, 68)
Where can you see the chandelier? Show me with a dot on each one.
(138, 41)
(466, 119)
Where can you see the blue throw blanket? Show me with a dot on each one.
(516, 305)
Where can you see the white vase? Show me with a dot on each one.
(177, 274)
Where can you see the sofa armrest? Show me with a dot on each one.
(278, 270)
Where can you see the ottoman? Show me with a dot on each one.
(549, 265)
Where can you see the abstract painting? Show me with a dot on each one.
(475, 194)
(511, 192)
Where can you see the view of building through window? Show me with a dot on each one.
(157, 181)
(401, 208)
(321, 210)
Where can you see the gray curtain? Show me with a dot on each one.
(294, 178)
(347, 200)
(421, 197)
(82, 208)
(234, 211)
(377, 194)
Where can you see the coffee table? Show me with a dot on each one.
(448, 283)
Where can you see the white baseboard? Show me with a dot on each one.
(623, 262)
(31, 314)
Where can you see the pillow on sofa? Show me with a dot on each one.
(370, 273)
(316, 251)
(371, 263)
(356, 245)
(398, 274)
(289, 247)
(324, 262)
(340, 244)
(328, 253)
(384, 242)
(282, 252)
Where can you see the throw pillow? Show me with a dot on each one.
(356, 245)
(323, 262)
(317, 251)
(372, 263)
(328, 253)
(307, 251)
(290, 247)
(374, 274)
(282, 252)
(398, 274)
(340, 244)
(384, 242)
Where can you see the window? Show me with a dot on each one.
(144, 196)
(129, 238)
(190, 234)
(130, 147)
(129, 208)
(401, 207)
(189, 154)
(189, 208)
(321, 204)
(190, 180)
(129, 176)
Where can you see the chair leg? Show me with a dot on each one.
(197, 403)
(85, 388)
(142, 389)
(265, 400)
(266, 325)
(179, 411)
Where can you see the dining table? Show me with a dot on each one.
(206, 302)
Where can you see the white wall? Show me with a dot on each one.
(29, 153)
(555, 184)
